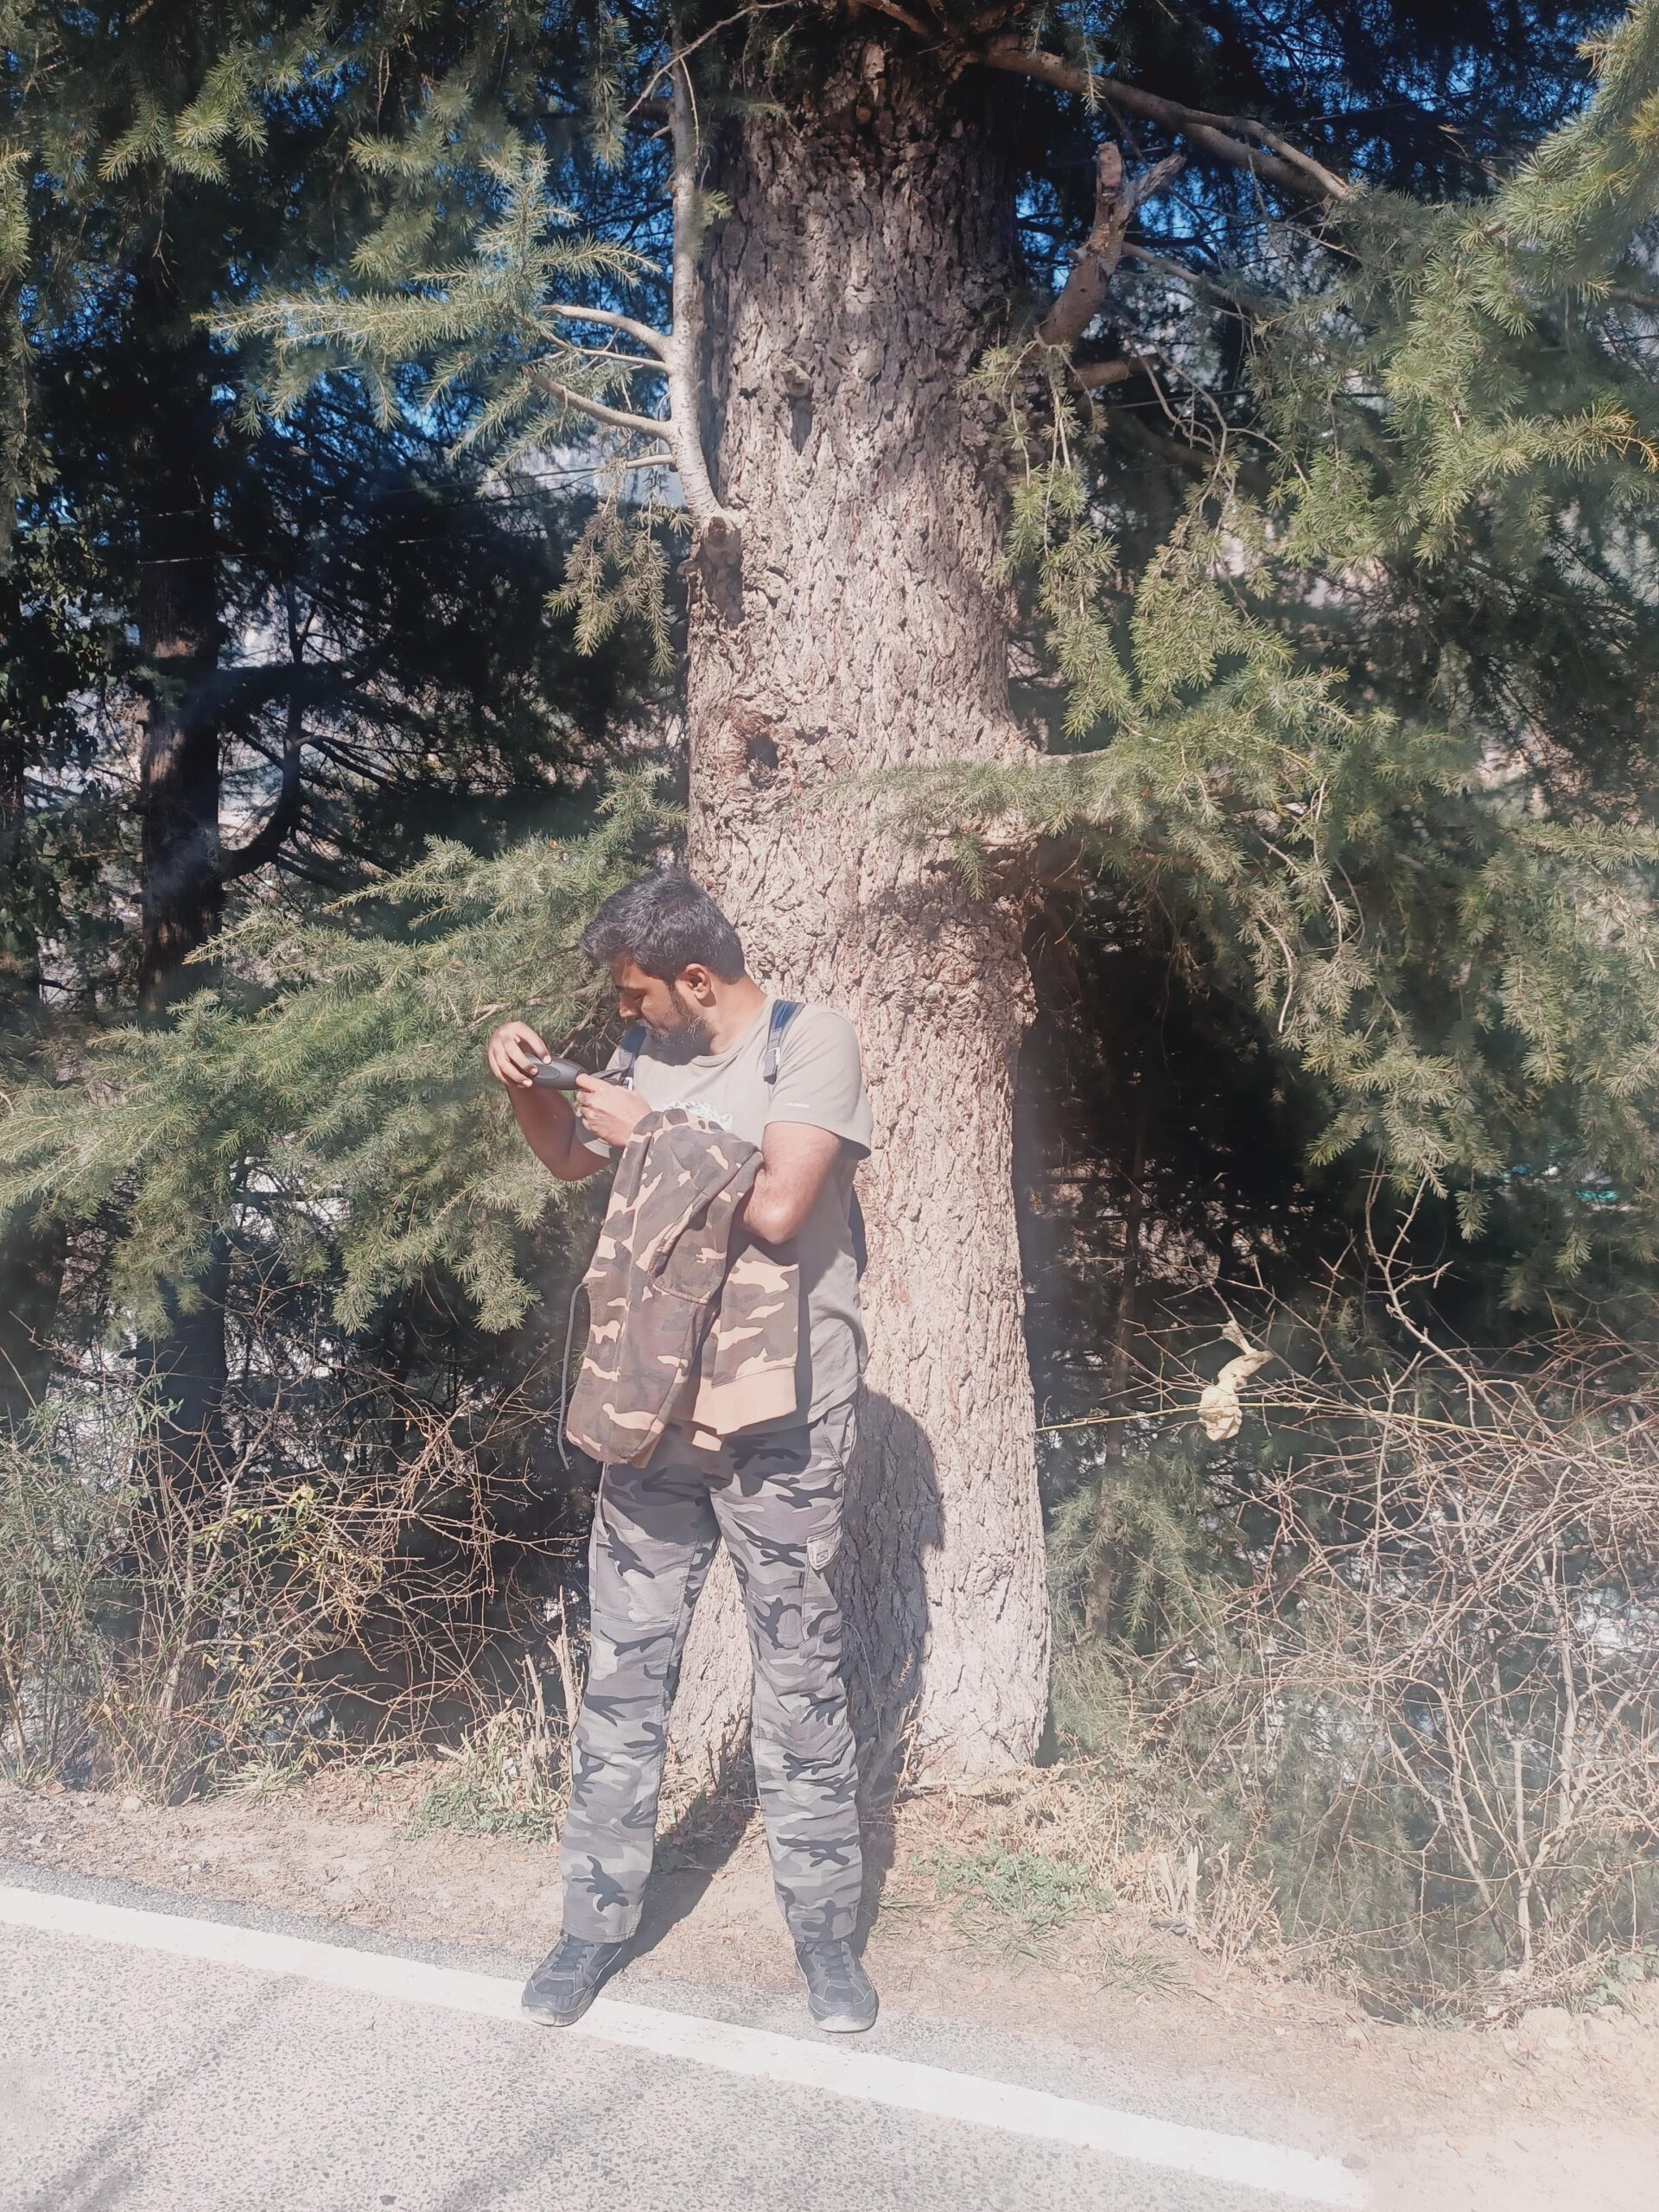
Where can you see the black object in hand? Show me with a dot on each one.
(558, 1075)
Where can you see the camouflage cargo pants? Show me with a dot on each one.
(777, 1501)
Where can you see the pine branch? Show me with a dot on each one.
(273, 833)
(656, 341)
(1095, 376)
(1224, 138)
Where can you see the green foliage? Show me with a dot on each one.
(1012, 1900)
(339, 1095)
(1435, 897)
(618, 572)
(1140, 1547)
(1509, 312)
(1458, 957)
(1623, 1977)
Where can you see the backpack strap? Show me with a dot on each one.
(627, 1051)
(783, 1011)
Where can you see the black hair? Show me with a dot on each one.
(666, 922)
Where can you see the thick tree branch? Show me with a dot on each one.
(1235, 139)
(712, 525)
(1095, 376)
(272, 833)
(1116, 198)
(656, 341)
(226, 697)
(903, 15)
(618, 418)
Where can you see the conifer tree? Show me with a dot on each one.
(322, 638)
(1159, 345)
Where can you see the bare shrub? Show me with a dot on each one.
(60, 1538)
(1407, 1663)
(348, 1563)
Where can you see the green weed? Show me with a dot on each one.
(1620, 1980)
(1015, 1899)
(461, 1805)
(507, 1778)
(1140, 1973)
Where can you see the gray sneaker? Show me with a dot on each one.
(568, 1979)
(840, 1995)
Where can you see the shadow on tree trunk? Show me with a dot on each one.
(893, 1520)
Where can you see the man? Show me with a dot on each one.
(773, 1492)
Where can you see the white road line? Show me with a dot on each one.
(897, 2083)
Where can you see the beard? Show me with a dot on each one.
(688, 1030)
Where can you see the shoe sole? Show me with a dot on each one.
(843, 2023)
(549, 2019)
(546, 2018)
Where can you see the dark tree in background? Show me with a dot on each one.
(243, 661)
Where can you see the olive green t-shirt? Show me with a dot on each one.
(820, 1082)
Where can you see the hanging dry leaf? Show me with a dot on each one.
(1218, 1407)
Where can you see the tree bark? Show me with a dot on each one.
(180, 880)
(31, 1263)
(179, 637)
(864, 627)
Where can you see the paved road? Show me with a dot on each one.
(135, 2080)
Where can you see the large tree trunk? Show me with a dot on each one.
(179, 636)
(868, 242)
(180, 885)
(31, 1263)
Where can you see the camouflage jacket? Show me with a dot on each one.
(682, 1328)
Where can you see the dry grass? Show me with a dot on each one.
(1375, 1695)
(171, 1625)
(1411, 1698)
(1089, 1821)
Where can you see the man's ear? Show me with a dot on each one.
(699, 981)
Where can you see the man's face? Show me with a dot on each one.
(668, 1008)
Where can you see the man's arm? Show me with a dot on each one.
(544, 1117)
(795, 1163)
(818, 1104)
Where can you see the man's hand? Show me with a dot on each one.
(609, 1111)
(514, 1054)
(544, 1117)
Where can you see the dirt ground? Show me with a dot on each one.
(1555, 2114)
